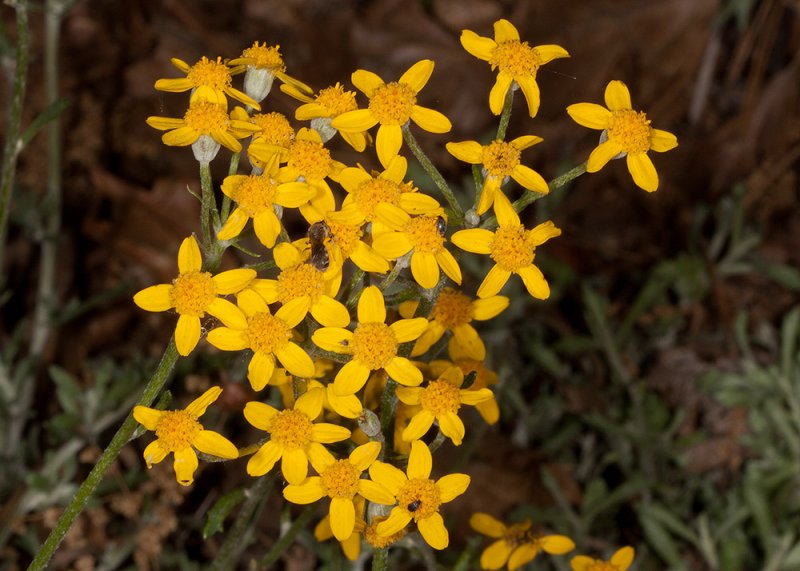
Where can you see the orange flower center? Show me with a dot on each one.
(381, 541)
(336, 100)
(176, 429)
(391, 103)
(346, 236)
(311, 159)
(275, 129)
(213, 74)
(255, 194)
(440, 397)
(631, 129)
(267, 333)
(372, 192)
(291, 429)
(265, 57)
(452, 309)
(420, 498)
(424, 233)
(206, 117)
(192, 293)
(516, 58)
(374, 344)
(299, 281)
(340, 480)
(500, 158)
(511, 248)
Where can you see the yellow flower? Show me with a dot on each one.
(204, 118)
(322, 108)
(366, 192)
(500, 160)
(256, 197)
(440, 401)
(351, 547)
(207, 73)
(511, 247)
(308, 164)
(345, 241)
(392, 105)
(193, 294)
(268, 336)
(301, 280)
(620, 561)
(424, 238)
(179, 432)
(418, 496)
(263, 64)
(625, 133)
(293, 434)
(341, 481)
(273, 129)
(373, 345)
(454, 311)
(484, 377)
(517, 61)
(378, 541)
(516, 544)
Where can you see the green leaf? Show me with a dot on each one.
(68, 392)
(659, 539)
(50, 113)
(220, 510)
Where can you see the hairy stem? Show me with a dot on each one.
(505, 116)
(434, 173)
(287, 538)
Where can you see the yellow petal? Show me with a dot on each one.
(233, 225)
(661, 141)
(475, 240)
(267, 228)
(590, 115)
(326, 433)
(480, 47)
(388, 476)
(176, 85)
(375, 493)
(469, 341)
(452, 427)
(351, 378)
(356, 121)
(487, 525)
(363, 456)
(251, 303)
(623, 558)
(330, 312)
(557, 544)
(433, 531)
(522, 555)
(286, 256)
(420, 424)
(430, 120)
(233, 281)
(348, 406)
(549, 52)
(404, 372)
(185, 465)
(449, 265)
(260, 369)
(311, 402)
(392, 216)
(420, 461)
(154, 453)
(180, 137)
(535, 282)
(210, 442)
(504, 31)
(473, 397)
(189, 257)
(581, 563)
(417, 76)
(388, 142)
(493, 282)
(617, 96)
(530, 179)
(406, 330)
(506, 215)
(603, 153)
(397, 520)
(369, 260)
(468, 151)
(531, 91)
(496, 555)
(418, 203)
(371, 306)
(164, 123)
(263, 460)
(187, 334)
(542, 233)
(259, 414)
(198, 406)
(294, 465)
(146, 416)
(228, 313)
(155, 298)
(343, 518)
(333, 339)
(483, 309)
(643, 171)
(409, 395)
(307, 492)
(267, 289)
(366, 81)
(392, 245)
(295, 360)
(294, 311)
(489, 411)
(497, 96)
(425, 269)
(227, 339)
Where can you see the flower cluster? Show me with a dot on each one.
(343, 334)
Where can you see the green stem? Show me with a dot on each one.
(434, 173)
(380, 560)
(12, 147)
(505, 117)
(388, 406)
(354, 287)
(389, 279)
(208, 205)
(477, 178)
(239, 535)
(287, 538)
(84, 493)
(531, 196)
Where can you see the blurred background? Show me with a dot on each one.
(652, 401)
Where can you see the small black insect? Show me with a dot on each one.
(441, 226)
(318, 232)
(414, 506)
